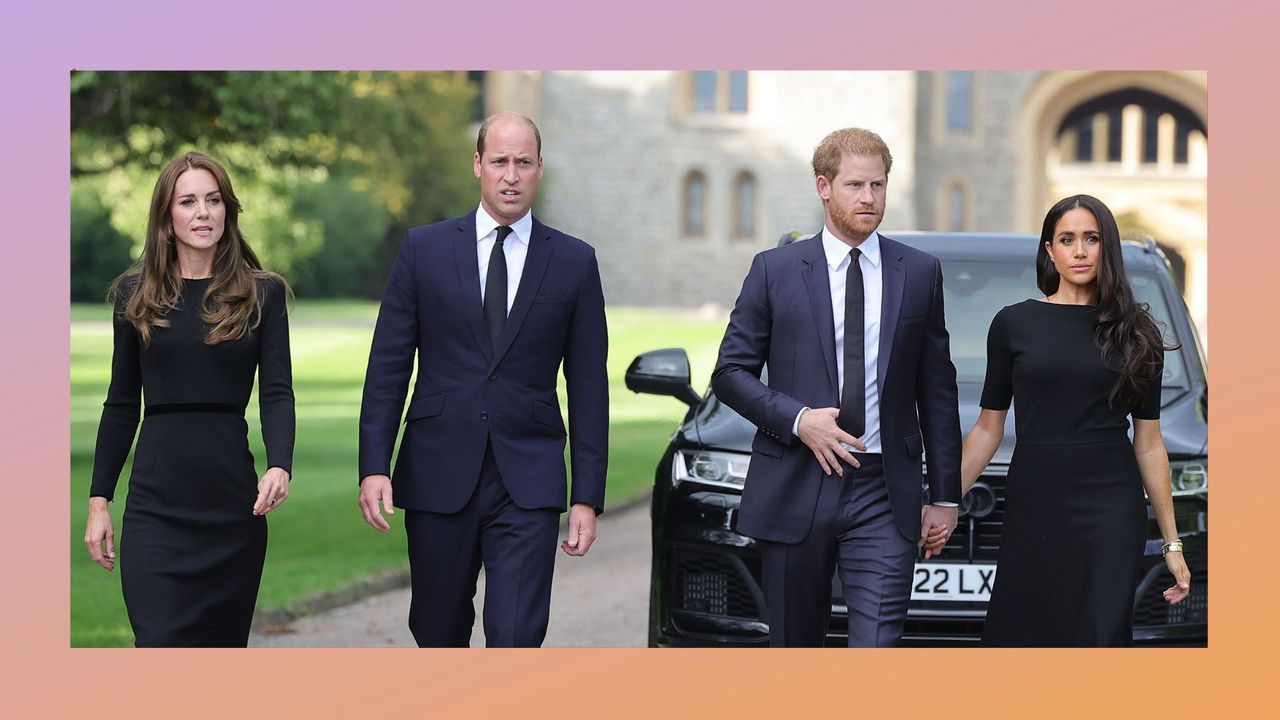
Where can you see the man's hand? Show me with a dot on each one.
(582, 529)
(935, 540)
(936, 525)
(375, 489)
(819, 431)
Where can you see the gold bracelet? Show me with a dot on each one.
(1171, 546)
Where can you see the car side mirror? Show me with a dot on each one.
(663, 372)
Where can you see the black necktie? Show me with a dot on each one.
(495, 289)
(853, 399)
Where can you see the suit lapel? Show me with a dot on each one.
(893, 280)
(535, 266)
(466, 260)
(819, 287)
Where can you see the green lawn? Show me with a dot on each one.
(318, 540)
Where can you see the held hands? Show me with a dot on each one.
(99, 533)
(819, 431)
(273, 490)
(582, 530)
(936, 525)
(1182, 576)
(375, 489)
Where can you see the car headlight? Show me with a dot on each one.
(709, 467)
(1189, 477)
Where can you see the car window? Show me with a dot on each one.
(974, 292)
(1146, 288)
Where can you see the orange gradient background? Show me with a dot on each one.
(40, 676)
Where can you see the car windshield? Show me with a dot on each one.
(975, 292)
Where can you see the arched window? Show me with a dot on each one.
(694, 210)
(1131, 126)
(744, 206)
(957, 205)
(954, 206)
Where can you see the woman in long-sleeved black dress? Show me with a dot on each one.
(1077, 365)
(193, 321)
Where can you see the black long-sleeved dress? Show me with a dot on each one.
(1075, 518)
(191, 551)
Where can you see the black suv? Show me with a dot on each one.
(705, 580)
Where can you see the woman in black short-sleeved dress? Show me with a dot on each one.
(1076, 365)
(193, 322)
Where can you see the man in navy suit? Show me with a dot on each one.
(851, 326)
(491, 304)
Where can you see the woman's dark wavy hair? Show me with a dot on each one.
(146, 292)
(1129, 338)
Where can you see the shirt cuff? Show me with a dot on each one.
(795, 425)
(945, 504)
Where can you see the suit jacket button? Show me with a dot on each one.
(493, 377)
(484, 416)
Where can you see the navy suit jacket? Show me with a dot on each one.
(468, 394)
(783, 318)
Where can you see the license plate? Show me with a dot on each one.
(945, 581)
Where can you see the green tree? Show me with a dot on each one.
(303, 149)
(352, 225)
(99, 252)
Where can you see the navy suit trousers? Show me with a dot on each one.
(517, 548)
(853, 533)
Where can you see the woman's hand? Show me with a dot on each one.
(1178, 566)
(273, 490)
(99, 535)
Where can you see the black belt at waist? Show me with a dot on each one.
(193, 407)
(868, 462)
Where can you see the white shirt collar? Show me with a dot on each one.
(520, 229)
(837, 251)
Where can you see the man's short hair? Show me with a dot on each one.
(506, 115)
(848, 141)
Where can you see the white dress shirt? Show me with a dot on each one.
(838, 258)
(837, 253)
(515, 249)
(837, 264)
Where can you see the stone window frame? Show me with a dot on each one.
(723, 101)
(942, 131)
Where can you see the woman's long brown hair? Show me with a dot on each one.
(1129, 338)
(232, 303)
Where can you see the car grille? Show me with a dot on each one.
(713, 584)
(1150, 607)
(979, 538)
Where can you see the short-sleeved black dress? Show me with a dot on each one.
(1075, 518)
(191, 551)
